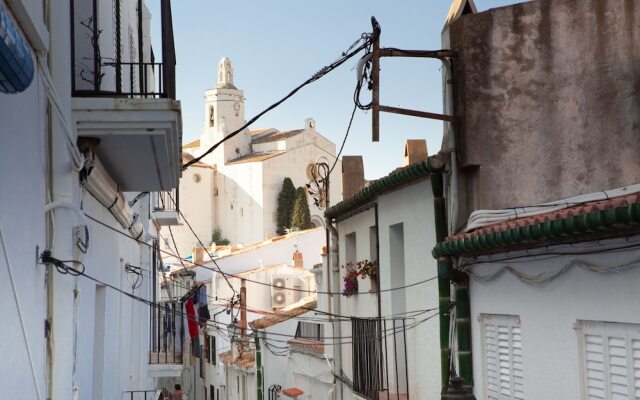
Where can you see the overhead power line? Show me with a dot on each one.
(367, 39)
(228, 275)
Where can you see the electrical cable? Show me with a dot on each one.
(545, 278)
(251, 280)
(47, 260)
(366, 37)
(201, 244)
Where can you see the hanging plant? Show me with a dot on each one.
(350, 280)
(369, 269)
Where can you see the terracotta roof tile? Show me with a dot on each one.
(601, 219)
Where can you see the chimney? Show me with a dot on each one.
(197, 255)
(415, 150)
(352, 175)
(298, 261)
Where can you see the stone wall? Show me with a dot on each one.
(547, 100)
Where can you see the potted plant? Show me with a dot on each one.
(350, 280)
(369, 269)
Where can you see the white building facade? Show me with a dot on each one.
(400, 306)
(78, 307)
(560, 308)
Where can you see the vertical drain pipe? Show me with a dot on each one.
(335, 278)
(444, 273)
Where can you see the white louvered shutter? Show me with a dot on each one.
(502, 348)
(611, 360)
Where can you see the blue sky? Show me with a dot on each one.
(276, 44)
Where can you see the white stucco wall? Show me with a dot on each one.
(22, 221)
(197, 205)
(548, 313)
(240, 204)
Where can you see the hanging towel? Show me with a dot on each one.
(202, 296)
(192, 322)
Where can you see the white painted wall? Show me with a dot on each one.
(22, 221)
(548, 313)
(26, 162)
(196, 203)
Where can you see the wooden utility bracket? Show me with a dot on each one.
(377, 52)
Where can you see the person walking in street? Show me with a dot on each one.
(179, 394)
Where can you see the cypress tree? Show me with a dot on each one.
(301, 217)
(286, 200)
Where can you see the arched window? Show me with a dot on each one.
(211, 117)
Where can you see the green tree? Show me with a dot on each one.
(301, 217)
(286, 200)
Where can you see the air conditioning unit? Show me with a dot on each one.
(281, 293)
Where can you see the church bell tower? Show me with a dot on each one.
(224, 114)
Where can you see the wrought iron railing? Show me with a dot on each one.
(167, 201)
(380, 358)
(141, 394)
(167, 327)
(167, 334)
(101, 69)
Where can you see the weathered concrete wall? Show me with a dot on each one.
(547, 97)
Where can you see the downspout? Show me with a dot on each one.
(258, 366)
(444, 273)
(461, 281)
(337, 328)
(379, 295)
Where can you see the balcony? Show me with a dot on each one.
(166, 208)
(123, 96)
(166, 343)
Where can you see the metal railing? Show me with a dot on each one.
(167, 334)
(167, 201)
(103, 71)
(380, 358)
(141, 394)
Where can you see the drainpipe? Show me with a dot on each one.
(444, 273)
(378, 278)
(337, 328)
(463, 323)
(258, 366)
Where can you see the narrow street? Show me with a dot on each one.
(357, 200)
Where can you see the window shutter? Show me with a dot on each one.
(503, 357)
(611, 360)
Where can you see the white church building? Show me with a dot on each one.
(236, 187)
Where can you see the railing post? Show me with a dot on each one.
(118, 49)
(140, 48)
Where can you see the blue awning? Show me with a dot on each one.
(16, 61)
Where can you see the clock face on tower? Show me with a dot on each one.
(236, 106)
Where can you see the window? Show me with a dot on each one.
(310, 331)
(212, 350)
(212, 392)
(211, 116)
(502, 357)
(610, 360)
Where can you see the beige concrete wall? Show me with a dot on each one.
(547, 95)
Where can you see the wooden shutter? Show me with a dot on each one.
(610, 360)
(502, 348)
